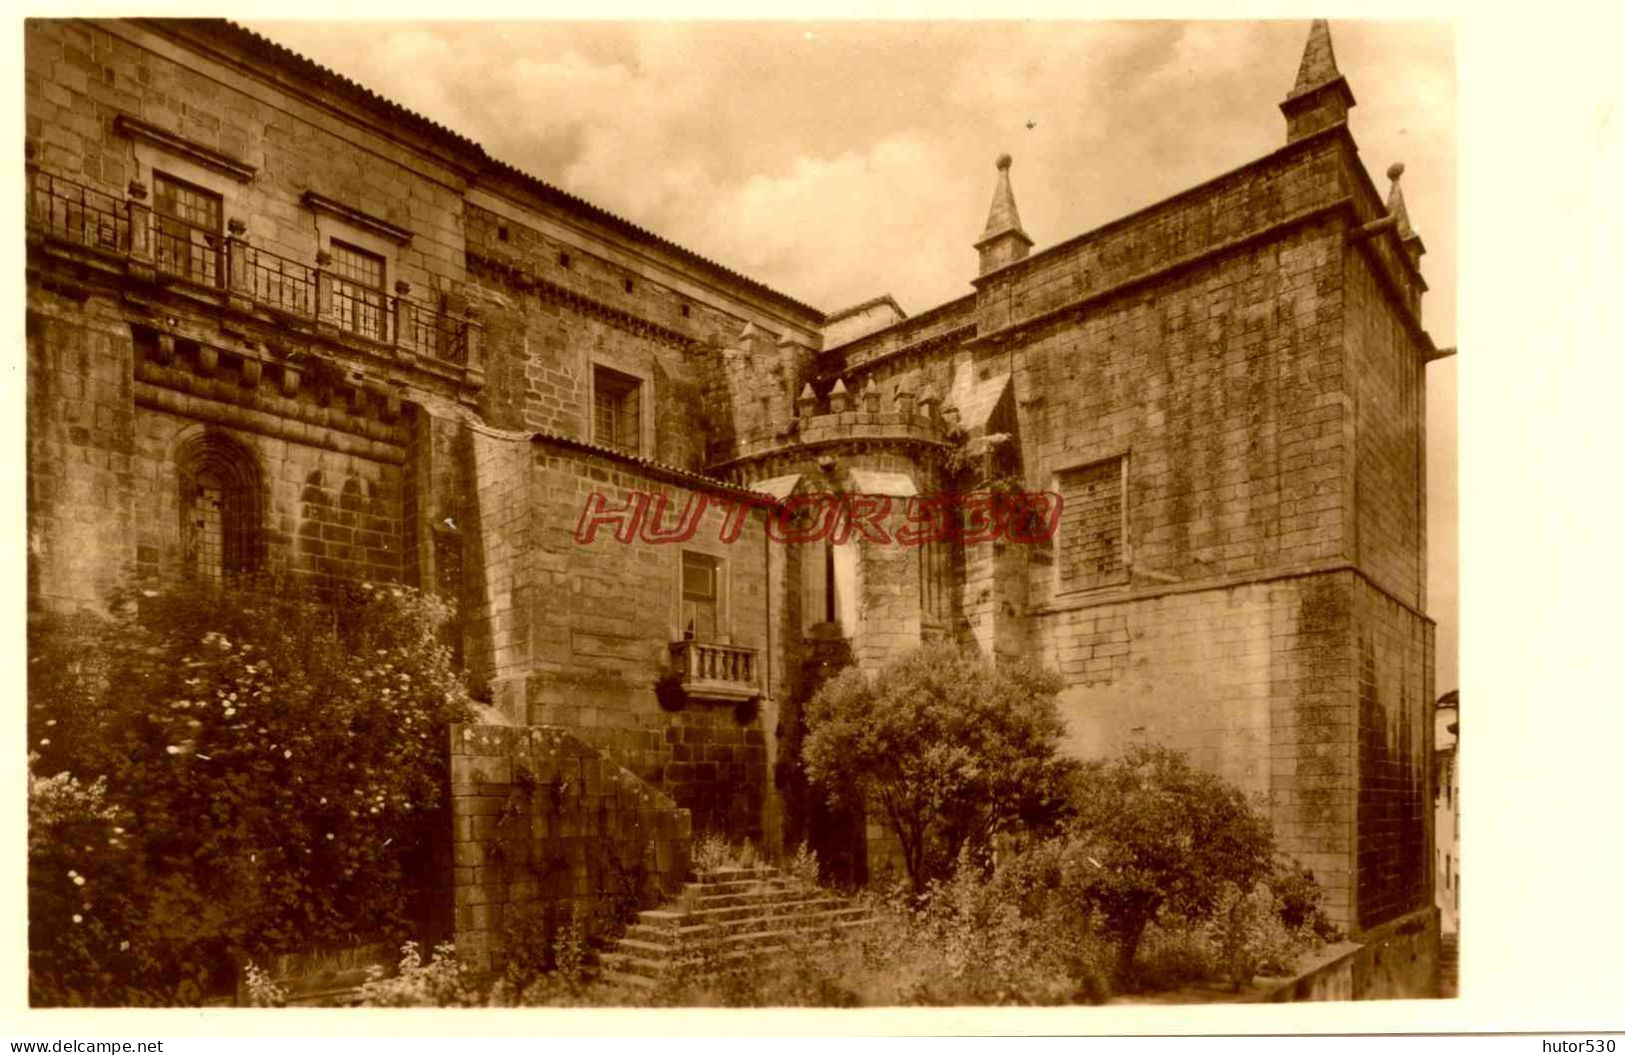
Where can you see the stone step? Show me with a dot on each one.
(741, 886)
(729, 875)
(706, 902)
(802, 919)
(642, 959)
(666, 919)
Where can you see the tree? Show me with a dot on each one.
(228, 774)
(1164, 835)
(949, 747)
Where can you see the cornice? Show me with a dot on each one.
(135, 128)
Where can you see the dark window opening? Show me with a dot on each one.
(502, 232)
(685, 311)
(616, 410)
(628, 285)
(934, 557)
(564, 261)
(829, 584)
(701, 575)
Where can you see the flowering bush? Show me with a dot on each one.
(441, 981)
(241, 773)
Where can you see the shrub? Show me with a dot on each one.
(441, 981)
(711, 852)
(261, 988)
(1174, 952)
(251, 770)
(803, 865)
(1249, 933)
(1301, 901)
(1166, 837)
(950, 748)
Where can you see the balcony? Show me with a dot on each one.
(173, 252)
(716, 672)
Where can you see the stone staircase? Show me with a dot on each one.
(726, 915)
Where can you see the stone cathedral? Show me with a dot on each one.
(276, 321)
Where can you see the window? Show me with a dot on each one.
(186, 234)
(206, 545)
(934, 583)
(220, 508)
(358, 290)
(702, 576)
(617, 421)
(1091, 531)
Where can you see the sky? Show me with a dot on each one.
(836, 161)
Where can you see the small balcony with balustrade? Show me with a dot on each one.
(716, 672)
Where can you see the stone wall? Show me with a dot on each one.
(1255, 682)
(1387, 387)
(577, 634)
(108, 423)
(546, 827)
(713, 371)
(1397, 961)
(82, 490)
(1393, 819)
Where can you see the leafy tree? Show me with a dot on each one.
(226, 775)
(949, 747)
(1164, 836)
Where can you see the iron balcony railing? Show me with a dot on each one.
(204, 258)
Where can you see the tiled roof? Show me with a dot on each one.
(337, 82)
(652, 467)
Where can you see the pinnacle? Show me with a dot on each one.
(1002, 217)
(1319, 65)
(1396, 203)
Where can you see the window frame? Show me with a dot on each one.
(721, 628)
(172, 225)
(351, 293)
(635, 386)
(238, 529)
(1125, 576)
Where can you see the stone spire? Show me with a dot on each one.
(1321, 96)
(1409, 240)
(1003, 241)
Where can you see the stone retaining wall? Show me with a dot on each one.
(545, 825)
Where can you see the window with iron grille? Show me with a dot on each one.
(702, 576)
(186, 233)
(616, 410)
(1091, 531)
(358, 290)
(206, 546)
(220, 508)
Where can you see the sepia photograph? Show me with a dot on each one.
(752, 514)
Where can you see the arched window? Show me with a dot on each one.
(220, 508)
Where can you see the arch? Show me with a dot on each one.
(222, 506)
